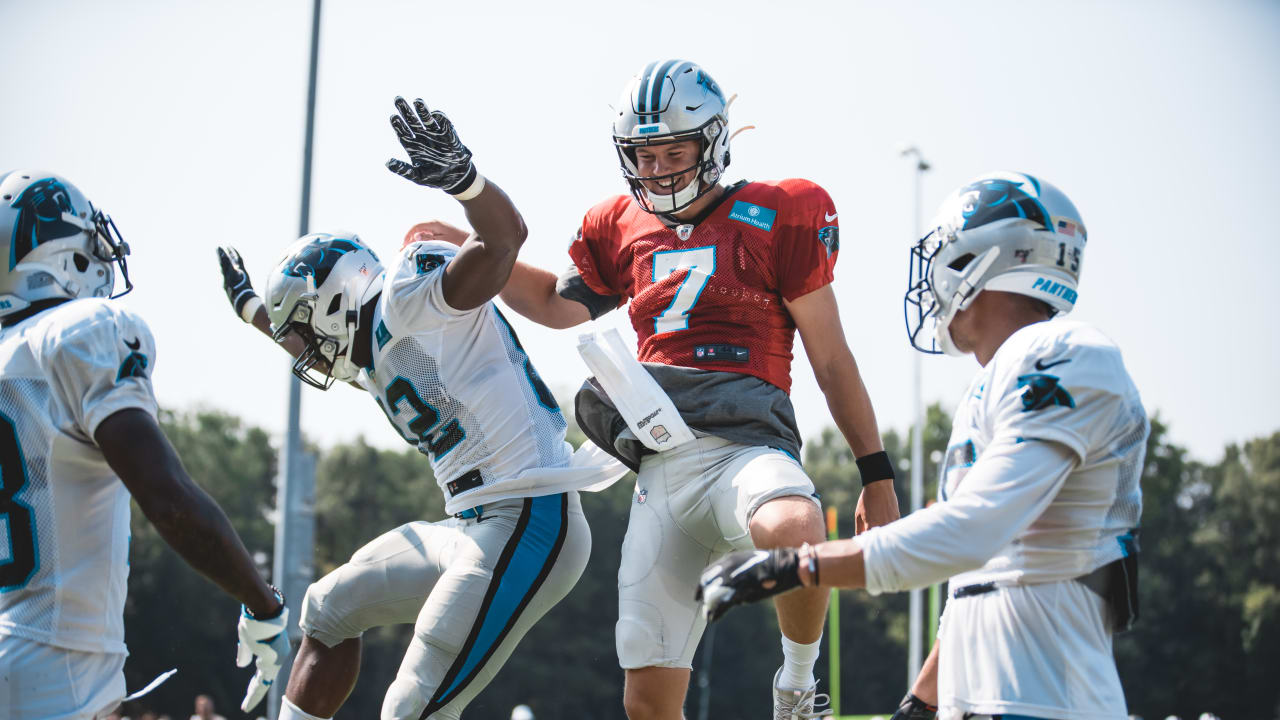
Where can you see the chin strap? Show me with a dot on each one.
(342, 359)
(677, 199)
(961, 298)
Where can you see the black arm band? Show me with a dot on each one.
(875, 466)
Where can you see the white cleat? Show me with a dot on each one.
(791, 704)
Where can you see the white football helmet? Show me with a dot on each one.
(54, 242)
(672, 101)
(1000, 231)
(317, 291)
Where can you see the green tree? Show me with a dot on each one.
(1246, 530)
(1210, 574)
(173, 616)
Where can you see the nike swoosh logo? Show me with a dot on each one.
(832, 216)
(137, 343)
(1042, 365)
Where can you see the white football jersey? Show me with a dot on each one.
(459, 386)
(1039, 486)
(1063, 382)
(64, 515)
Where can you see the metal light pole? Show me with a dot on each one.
(293, 562)
(915, 656)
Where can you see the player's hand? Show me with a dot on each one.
(266, 640)
(437, 158)
(435, 230)
(877, 505)
(235, 280)
(913, 708)
(746, 576)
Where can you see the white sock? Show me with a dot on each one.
(798, 660)
(289, 711)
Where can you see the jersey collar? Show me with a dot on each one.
(672, 222)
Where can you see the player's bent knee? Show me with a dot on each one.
(786, 521)
(636, 644)
(317, 620)
(404, 701)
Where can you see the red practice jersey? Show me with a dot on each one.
(713, 299)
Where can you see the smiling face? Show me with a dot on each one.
(660, 161)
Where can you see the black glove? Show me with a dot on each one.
(913, 708)
(437, 158)
(747, 576)
(235, 280)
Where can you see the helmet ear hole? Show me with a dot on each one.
(334, 304)
(960, 262)
(81, 262)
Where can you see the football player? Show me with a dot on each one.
(78, 437)
(1039, 493)
(719, 278)
(423, 338)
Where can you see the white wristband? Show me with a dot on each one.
(477, 186)
(250, 309)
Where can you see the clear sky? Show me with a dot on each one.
(1159, 119)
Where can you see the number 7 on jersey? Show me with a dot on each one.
(701, 264)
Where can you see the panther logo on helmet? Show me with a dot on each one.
(318, 258)
(705, 81)
(989, 200)
(40, 210)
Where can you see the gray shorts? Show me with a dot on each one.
(472, 588)
(692, 505)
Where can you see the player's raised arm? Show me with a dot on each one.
(197, 529)
(530, 290)
(438, 159)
